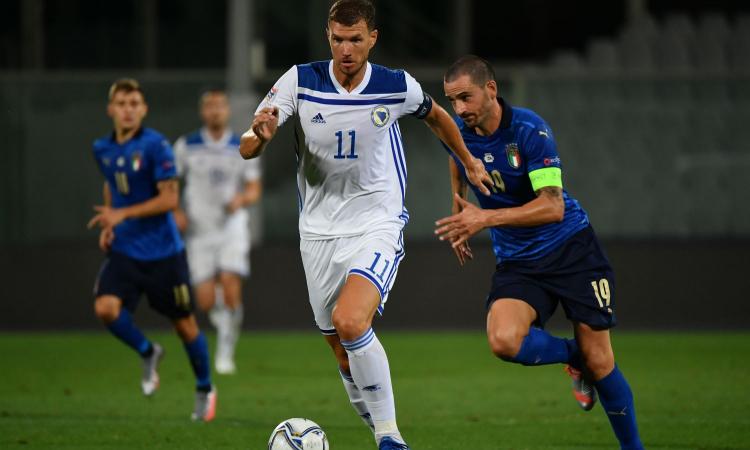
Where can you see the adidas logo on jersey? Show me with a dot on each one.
(318, 119)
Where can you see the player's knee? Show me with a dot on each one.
(347, 326)
(599, 362)
(106, 309)
(505, 343)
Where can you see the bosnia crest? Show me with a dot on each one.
(514, 155)
(380, 115)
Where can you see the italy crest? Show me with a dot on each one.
(514, 155)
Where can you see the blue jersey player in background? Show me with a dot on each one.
(546, 251)
(145, 254)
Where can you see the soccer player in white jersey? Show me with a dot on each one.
(218, 189)
(352, 180)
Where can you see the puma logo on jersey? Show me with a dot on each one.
(543, 133)
(318, 119)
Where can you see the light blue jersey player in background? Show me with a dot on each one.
(547, 252)
(145, 254)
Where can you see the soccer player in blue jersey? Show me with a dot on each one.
(546, 251)
(351, 189)
(144, 251)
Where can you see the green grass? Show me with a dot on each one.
(81, 391)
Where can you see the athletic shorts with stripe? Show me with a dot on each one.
(374, 256)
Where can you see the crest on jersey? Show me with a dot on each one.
(380, 115)
(272, 93)
(488, 158)
(514, 155)
(135, 161)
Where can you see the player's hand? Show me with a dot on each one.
(478, 176)
(458, 228)
(107, 217)
(106, 237)
(265, 123)
(236, 203)
(463, 253)
(180, 219)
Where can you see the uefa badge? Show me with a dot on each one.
(380, 115)
(120, 161)
(489, 158)
(514, 155)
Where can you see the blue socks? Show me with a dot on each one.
(540, 348)
(125, 330)
(617, 400)
(197, 351)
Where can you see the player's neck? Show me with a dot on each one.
(123, 135)
(492, 122)
(350, 82)
(216, 133)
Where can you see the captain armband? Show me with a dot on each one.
(546, 177)
(424, 108)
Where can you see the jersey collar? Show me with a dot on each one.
(507, 117)
(223, 140)
(360, 87)
(113, 137)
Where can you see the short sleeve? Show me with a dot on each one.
(542, 160)
(251, 170)
(163, 160)
(417, 102)
(283, 95)
(180, 156)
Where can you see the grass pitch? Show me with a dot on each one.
(81, 391)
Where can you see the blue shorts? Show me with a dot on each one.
(166, 283)
(577, 275)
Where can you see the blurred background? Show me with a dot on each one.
(649, 102)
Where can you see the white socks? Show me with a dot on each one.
(369, 366)
(228, 323)
(355, 397)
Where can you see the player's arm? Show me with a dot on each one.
(262, 130)
(166, 200)
(107, 235)
(249, 195)
(547, 207)
(180, 217)
(441, 123)
(180, 159)
(107, 194)
(458, 188)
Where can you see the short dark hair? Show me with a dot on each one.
(211, 91)
(349, 12)
(126, 85)
(478, 69)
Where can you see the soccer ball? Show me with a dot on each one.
(298, 434)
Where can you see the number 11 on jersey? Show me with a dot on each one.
(340, 154)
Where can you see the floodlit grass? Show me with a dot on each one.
(81, 391)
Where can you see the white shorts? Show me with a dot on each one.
(375, 256)
(212, 253)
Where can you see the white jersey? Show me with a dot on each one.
(351, 167)
(214, 172)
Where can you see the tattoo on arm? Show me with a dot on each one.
(550, 191)
(171, 186)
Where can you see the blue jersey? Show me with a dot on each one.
(132, 170)
(522, 144)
